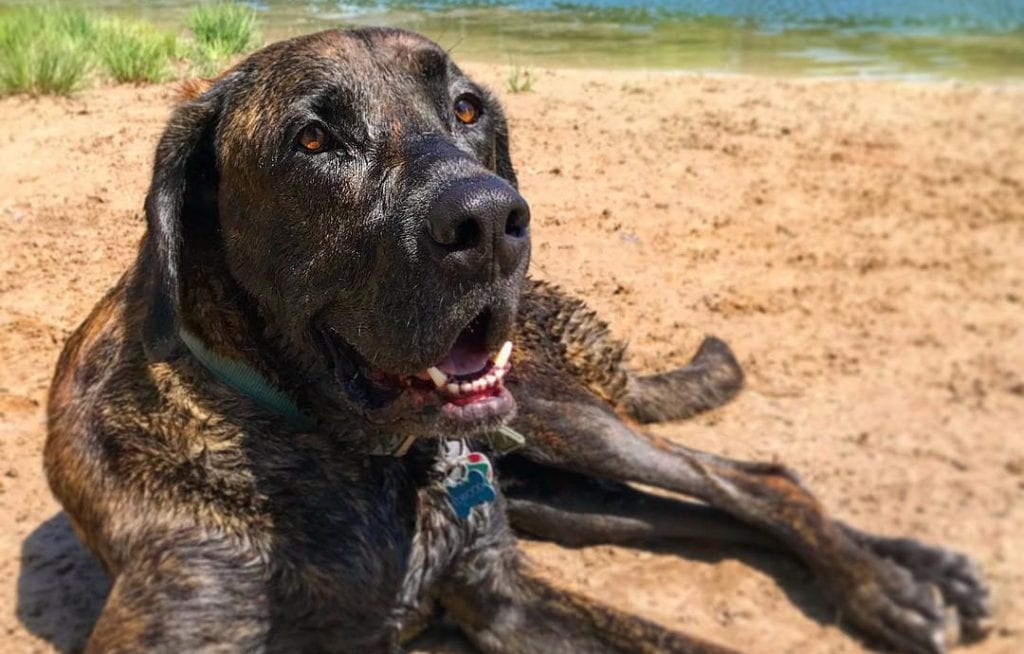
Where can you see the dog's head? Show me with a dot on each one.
(357, 187)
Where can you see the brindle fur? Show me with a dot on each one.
(227, 527)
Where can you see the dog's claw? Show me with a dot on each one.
(954, 630)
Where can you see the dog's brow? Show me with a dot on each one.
(336, 106)
(431, 63)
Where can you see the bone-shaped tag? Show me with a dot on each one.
(473, 490)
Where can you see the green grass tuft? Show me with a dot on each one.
(136, 52)
(52, 49)
(519, 80)
(52, 67)
(41, 50)
(223, 29)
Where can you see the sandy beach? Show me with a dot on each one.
(859, 244)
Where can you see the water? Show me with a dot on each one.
(915, 39)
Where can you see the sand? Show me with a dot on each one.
(860, 244)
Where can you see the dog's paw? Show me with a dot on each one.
(955, 575)
(886, 602)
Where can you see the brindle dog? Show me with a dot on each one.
(335, 250)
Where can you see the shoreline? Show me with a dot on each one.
(939, 48)
(1010, 82)
(497, 72)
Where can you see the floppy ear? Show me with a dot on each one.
(181, 202)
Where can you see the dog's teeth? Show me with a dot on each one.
(500, 372)
(465, 388)
(440, 379)
(501, 358)
(491, 379)
(453, 389)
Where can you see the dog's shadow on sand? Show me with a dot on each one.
(792, 577)
(61, 587)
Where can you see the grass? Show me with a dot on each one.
(57, 50)
(51, 67)
(222, 30)
(137, 52)
(41, 50)
(519, 80)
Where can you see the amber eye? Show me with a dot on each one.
(313, 138)
(466, 110)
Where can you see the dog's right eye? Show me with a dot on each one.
(313, 138)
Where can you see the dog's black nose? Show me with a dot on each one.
(478, 223)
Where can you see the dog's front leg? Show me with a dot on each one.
(506, 609)
(885, 593)
(201, 599)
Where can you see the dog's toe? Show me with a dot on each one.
(890, 605)
(955, 575)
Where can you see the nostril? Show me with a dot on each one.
(467, 235)
(455, 234)
(516, 224)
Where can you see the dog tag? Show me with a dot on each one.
(505, 439)
(473, 490)
(469, 481)
(479, 461)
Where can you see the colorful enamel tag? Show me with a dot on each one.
(478, 461)
(470, 479)
(473, 490)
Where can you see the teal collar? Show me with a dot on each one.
(246, 380)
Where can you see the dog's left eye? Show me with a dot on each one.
(313, 138)
(467, 109)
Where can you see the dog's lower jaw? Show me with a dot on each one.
(462, 394)
(416, 414)
(499, 404)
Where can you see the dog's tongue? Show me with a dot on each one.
(466, 358)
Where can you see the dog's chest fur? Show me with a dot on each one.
(371, 532)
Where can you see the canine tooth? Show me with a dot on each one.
(501, 358)
(440, 379)
(453, 388)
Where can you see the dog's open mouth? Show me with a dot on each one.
(468, 381)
